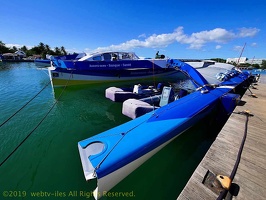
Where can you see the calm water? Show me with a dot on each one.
(48, 162)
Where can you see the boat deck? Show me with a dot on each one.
(249, 180)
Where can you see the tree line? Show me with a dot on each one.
(41, 49)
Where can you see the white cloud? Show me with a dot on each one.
(195, 41)
(74, 50)
(12, 45)
(17, 45)
(248, 32)
(238, 48)
(218, 47)
(142, 35)
(218, 35)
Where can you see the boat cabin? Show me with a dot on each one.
(10, 56)
(110, 56)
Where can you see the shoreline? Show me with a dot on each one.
(13, 61)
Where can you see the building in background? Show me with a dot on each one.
(18, 55)
(245, 60)
(21, 54)
(241, 60)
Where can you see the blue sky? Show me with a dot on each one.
(176, 28)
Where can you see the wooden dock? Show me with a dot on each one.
(250, 178)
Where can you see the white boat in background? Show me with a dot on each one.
(208, 69)
(41, 63)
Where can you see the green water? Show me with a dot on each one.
(48, 166)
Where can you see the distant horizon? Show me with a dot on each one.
(186, 29)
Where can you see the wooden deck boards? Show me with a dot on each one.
(222, 155)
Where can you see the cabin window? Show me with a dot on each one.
(107, 56)
(97, 58)
(126, 56)
(114, 57)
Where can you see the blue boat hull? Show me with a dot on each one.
(85, 72)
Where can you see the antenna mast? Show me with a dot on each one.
(240, 54)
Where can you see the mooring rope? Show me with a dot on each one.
(24, 105)
(56, 101)
(153, 73)
(233, 173)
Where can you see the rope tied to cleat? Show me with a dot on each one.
(226, 182)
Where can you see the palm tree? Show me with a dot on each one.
(57, 51)
(24, 48)
(63, 51)
(2, 44)
(41, 46)
(3, 48)
(41, 49)
(47, 48)
(14, 49)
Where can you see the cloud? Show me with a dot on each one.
(248, 32)
(142, 35)
(218, 47)
(18, 46)
(199, 39)
(254, 44)
(195, 40)
(238, 48)
(13, 45)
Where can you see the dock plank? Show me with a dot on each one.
(222, 155)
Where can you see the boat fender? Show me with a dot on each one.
(225, 181)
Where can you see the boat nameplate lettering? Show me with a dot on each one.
(112, 65)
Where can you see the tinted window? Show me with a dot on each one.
(97, 58)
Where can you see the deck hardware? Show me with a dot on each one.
(225, 181)
(211, 182)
